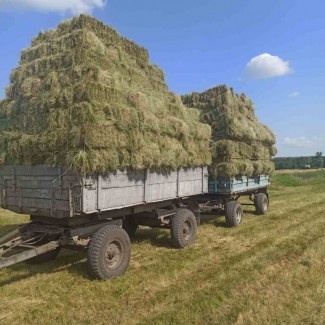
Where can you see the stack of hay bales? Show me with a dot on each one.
(240, 145)
(87, 98)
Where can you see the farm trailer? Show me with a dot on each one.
(67, 209)
(224, 193)
(98, 212)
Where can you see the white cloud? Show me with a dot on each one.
(299, 142)
(72, 6)
(301, 146)
(266, 66)
(294, 94)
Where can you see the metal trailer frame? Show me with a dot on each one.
(41, 236)
(75, 212)
(163, 200)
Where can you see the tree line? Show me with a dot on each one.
(307, 162)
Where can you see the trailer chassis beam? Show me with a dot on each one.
(30, 253)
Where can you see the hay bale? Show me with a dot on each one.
(240, 143)
(231, 116)
(87, 98)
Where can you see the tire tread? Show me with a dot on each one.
(258, 202)
(230, 210)
(93, 260)
(177, 227)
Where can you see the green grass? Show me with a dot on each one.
(270, 270)
(299, 178)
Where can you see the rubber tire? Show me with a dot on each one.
(232, 208)
(261, 203)
(130, 226)
(181, 217)
(98, 248)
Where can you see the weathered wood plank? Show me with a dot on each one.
(122, 180)
(162, 178)
(37, 203)
(39, 212)
(36, 170)
(41, 184)
(32, 193)
(38, 193)
(190, 188)
(161, 191)
(117, 197)
(190, 174)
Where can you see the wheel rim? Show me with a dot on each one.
(113, 256)
(187, 230)
(238, 216)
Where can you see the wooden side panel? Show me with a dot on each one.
(190, 181)
(39, 190)
(118, 189)
(238, 184)
(37, 203)
(38, 170)
(37, 193)
(56, 193)
(122, 179)
(121, 196)
(39, 212)
(127, 188)
(161, 186)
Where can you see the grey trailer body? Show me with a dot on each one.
(59, 193)
(96, 213)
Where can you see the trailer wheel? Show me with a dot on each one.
(234, 213)
(109, 252)
(261, 203)
(183, 228)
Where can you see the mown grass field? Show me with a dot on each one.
(271, 269)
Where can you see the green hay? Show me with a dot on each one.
(231, 116)
(241, 167)
(240, 145)
(226, 150)
(87, 98)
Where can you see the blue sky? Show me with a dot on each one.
(273, 51)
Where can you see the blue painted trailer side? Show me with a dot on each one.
(238, 184)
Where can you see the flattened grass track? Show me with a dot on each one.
(270, 269)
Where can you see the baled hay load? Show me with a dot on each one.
(87, 98)
(241, 145)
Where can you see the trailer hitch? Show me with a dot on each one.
(21, 248)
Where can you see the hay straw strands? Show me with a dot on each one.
(87, 98)
(240, 144)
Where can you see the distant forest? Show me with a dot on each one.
(317, 161)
